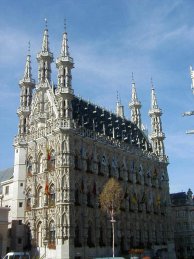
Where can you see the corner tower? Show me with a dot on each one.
(44, 58)
(135, 106)
(27, 84)
(64, 65)
(157, 136)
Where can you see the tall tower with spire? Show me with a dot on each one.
(157, 136)
(27, 84)
(135, 106)
(44, 58)
(64, 65)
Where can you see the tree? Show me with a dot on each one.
(110, 200)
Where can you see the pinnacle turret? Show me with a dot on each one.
(27, 84)
(135, 106)
(64, 64)
(157, 136)
(119, 108)
(45, 58)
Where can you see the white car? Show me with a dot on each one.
(17, 255)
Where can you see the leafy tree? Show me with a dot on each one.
(110, 200)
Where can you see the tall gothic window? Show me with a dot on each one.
(88, 165)
(39, 234)
(77, 242)
(76, 162)
(77, 197)
(52, 195)
(40, 163)
(52, 234)
(40, 197)
(89, 238)
(52, 161)
(101, 238)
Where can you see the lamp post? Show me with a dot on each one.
(113, 236)
(45, 242)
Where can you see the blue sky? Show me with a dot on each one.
(109, 39)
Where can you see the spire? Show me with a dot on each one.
(28, 70)
(45, 58)
(135, 106)
(64, 64)
(119, 108)
(27, 84)
(45, 41)
(154, 102)
(157, 136)
(64, 46)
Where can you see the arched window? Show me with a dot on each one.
(76, 162)
(29, 167)
(89, 201)
(88, 165)
(40, 163)
(52, 234)
(77, 197)
(99, 168)
(40, 197)
(77, 242)
(101, 238)
(52, 161)
(39, 234)
(90, 237)
(52, 195)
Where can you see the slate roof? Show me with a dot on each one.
(95, 118)
(5, 174)
(179, 198)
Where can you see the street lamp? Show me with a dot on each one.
(113, 236)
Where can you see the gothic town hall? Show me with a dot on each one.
(65, 151)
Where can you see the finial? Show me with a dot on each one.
(152, 84)
(117, 96)
(46, 23)
(65, 25)
(132, 78)
(29, 45)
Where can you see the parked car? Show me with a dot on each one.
(17, 255)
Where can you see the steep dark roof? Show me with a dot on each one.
(5, 174)
(97, 119)
(179, 198)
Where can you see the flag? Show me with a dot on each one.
(46, 190)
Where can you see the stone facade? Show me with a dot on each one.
(65, 151)
(183, 214)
